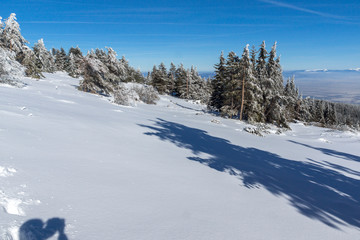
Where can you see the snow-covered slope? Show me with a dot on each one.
(168, 171)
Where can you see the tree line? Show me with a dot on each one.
(248, 87)
(252, 88)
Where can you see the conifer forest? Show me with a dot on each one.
(248, 86)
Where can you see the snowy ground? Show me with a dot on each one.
(166, 171)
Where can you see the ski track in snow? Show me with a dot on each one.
(180, 190)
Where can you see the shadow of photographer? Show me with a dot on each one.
(36, 229)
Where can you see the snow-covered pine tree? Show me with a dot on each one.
(11, 37)
(265, 82)
(28, 59)
(148, 80)
(232, 92)
(273, 89)
(291, 100)
(171, 78)
(136, 75)
(116, 72)
(197, 87)
(330, 114)
(71, 69)
(252, 108)
(10, 69)
(78, 60)
(44, 56)
(155, 76)
(181, 77)
(61, 60)
(95, 76)
(253, 54)
(160, 79)
(1, 31)
(218, 84)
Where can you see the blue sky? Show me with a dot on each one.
(310, 34)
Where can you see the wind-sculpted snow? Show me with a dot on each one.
(314, 190)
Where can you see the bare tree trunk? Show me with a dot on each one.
(242, 97)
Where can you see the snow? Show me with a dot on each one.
(167, 171)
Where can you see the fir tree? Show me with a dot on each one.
(61, 60)
(172, 79)
(10, 69)
(11, 37)
(32, 64)
(77, 61)
(218, 84)
(44, 56)
(251, 91)
(273, 89)
(181, 77)
(232, 93)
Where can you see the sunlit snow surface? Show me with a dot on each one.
(166, 171)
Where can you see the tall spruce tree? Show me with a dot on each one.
(218, 84)
(252, 109)
(181, 77)
(232, 86)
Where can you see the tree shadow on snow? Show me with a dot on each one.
(314, 190)
(36, 229)
(333, 153)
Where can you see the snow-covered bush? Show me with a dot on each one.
(147, 94)
(10, 70)
(123, 96)
(130, 93)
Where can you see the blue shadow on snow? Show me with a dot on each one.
(313, 189)
(36, 229)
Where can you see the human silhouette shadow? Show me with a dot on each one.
(313, 189)
(36, 229)
(330, 152)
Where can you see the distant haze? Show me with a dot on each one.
(332, 85)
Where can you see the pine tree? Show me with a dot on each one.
(253, 54)
(32, 64)
(232, 92)
(197, 87)
(44, 56)
(61, 60)
(157, 80)
(218, 84)
(251, 91)
(171, 78)
(1, 31)
(160, 79)
(181, 77)
(78, 60)
(273, 89)
(11, 37)
(10, 69)
(71, 69)
(95, 75)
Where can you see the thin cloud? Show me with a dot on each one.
(152, 23)
(290, 6)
